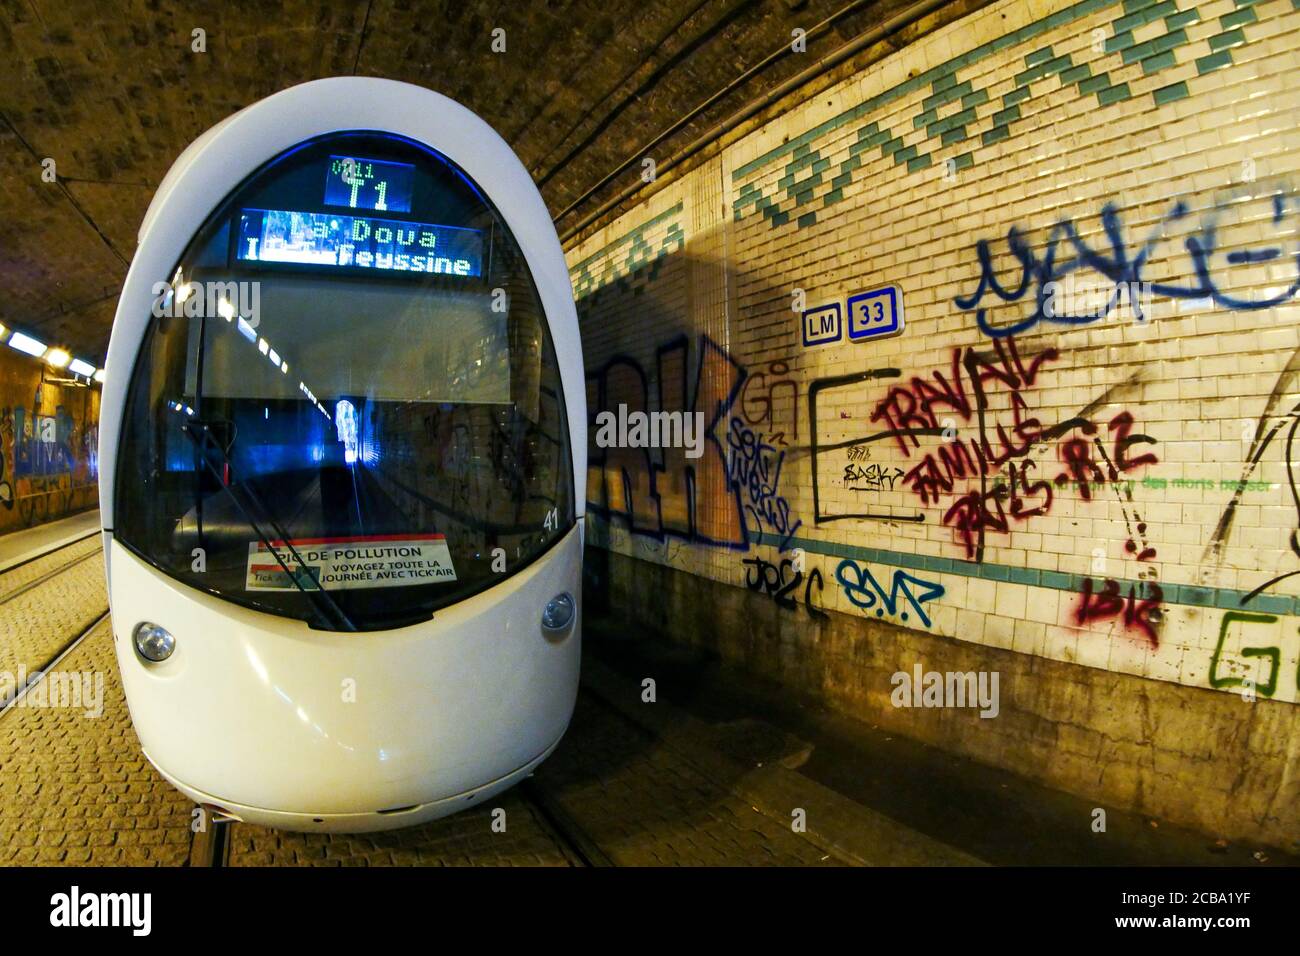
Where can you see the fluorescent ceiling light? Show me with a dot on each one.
(100, 376)
(58, 357)
(25, 343)
(78, 367)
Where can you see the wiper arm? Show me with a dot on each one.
(200, 433)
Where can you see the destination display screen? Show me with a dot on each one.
(368, 184)
(358, 243)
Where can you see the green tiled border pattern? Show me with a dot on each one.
(1154, 54)
(675, 210)
(634, 235)
(928, 78)
(1228, 599)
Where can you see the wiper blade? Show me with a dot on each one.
(200, 433)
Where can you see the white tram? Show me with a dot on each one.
(344, 434)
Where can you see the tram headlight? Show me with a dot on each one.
(558, 614)
(153, 643)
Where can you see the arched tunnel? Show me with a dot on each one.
(710, 433)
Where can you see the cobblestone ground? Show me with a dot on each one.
(466, 839)
(26, 573)
(639, 802)
(77, 790)
(644, 805)
(35, 624)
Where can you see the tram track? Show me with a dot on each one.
(54, 550)
(17, 581)
(12, 699)
(212, 846)
(49, 662)
(562, 824)
(17, 591)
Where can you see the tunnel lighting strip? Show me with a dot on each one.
(55, 357)
(27, 344)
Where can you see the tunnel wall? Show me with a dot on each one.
(1072, 466)
(49, 444)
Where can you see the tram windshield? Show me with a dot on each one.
(347, 408)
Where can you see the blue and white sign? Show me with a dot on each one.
(358, 242)
(822, 324)
(876, 314)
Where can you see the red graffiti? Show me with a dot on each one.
(1082, 469)
(988, 511)
(998, 454)
(1135, 612)
(916, 406)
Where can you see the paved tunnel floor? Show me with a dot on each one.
(994, 815)
(76, 789)
(719, 771)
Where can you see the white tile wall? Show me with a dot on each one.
(1195, 378)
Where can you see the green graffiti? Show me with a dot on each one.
(1272, 653)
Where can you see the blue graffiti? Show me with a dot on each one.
(669, 495)
(43, 444)
(755, 469)
(1066, 252)
(857, 591)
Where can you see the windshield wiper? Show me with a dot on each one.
(200, 433)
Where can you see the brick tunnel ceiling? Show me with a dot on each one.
(113, 93)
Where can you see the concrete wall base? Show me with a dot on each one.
(1193, 757)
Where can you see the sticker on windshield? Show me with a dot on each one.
(339, 564)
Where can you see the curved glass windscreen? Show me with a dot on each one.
(347, 407)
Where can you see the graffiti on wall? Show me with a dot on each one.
(49, 464)
(825, 456)
(1233, 663)
(1269, 428)
(761, 402)
(727, 497)
(963, 445)
(905, 599)
(991, 443)
(1005, 437)
(756, 472)
(6, 458)
(1175, 258)
(43, 443)
(781, 582)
